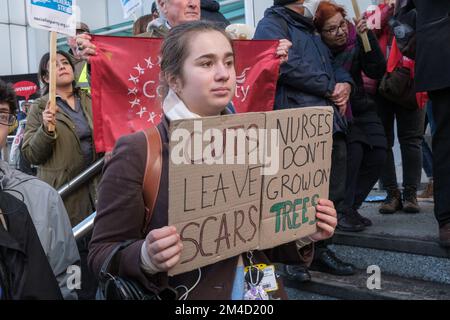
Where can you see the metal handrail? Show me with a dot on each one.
(80, 179)
(84, 227)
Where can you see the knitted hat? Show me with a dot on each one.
(283, 2)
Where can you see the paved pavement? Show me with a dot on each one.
(421, 226)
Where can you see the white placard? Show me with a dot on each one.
(52, 15)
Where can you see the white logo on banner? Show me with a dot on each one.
(149, 89)
(242, 89)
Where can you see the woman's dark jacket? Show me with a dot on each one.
(308, 77)
(210, 11)
(366, 126)
(433, 44)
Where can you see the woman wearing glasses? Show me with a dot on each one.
(7, 119)
(63, 154)
(366, 141)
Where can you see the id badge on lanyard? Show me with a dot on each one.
(260, 279)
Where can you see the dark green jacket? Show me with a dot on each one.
(59, 157)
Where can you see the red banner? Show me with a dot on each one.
(125, 90)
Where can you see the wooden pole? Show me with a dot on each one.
(364, 37)
(52, 77)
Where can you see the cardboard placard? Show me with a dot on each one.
(289, 197)
(215, 207)
(222, 200)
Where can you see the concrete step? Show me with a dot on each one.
(405, 265)
(404, 246)
(400, 232)
(295, 294)
(355, 288)
(391, 243)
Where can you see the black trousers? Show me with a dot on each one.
(364, 165)
(410, 134)
(441, 154)
(337, 180)
(338, 171)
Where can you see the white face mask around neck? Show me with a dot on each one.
(310, 7)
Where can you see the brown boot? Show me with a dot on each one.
(427, 194)
(410, 204)
(392, 203)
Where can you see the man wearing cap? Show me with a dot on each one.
(211, 12)
(155, 11)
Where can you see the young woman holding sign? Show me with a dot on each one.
(198, 69)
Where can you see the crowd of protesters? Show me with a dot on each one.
(323, 62)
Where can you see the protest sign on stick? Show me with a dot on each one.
(55, 16)
(52, 77)
(364, 37)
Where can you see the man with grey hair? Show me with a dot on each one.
(172, 13)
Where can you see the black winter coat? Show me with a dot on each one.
(211, 12)
(25, 272)
(433, 44)
(366, 126)
(308, 77)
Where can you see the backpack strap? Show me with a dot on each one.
(152, 176)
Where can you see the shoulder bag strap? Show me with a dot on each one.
(152, 177)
